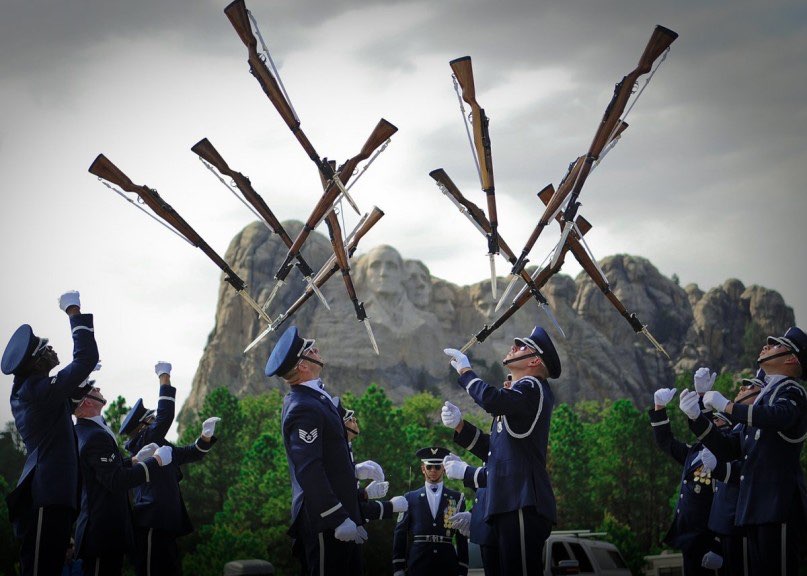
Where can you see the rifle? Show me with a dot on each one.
(464, 75)
(381, 133)
(106, 170)
(207, 153)
(610, 126)
(324, 274)
(335, 232)
(577, 245)
(477, 217)
(240, 17)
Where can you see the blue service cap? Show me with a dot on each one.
(540, 342)
(432, 454)
(137, 414)
(285, 353)
(20, 350)
(796, 341)
(758, 380)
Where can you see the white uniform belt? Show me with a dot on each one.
(433, 538)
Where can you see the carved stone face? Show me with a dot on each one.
(443, 303)
(385, 273)
(418, 283)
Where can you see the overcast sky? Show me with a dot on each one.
(707, 182)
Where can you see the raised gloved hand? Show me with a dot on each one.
(146, 451)
(399, 504)
(369, 470)
(461, 521)
(162, 367)
(68, 299)
(209, 426)
(714, 399)
(712, 561)
(708, 459)
(164, 455)
(346, 531)
(361, 535)
(703, 380)
(376, 489)
(450, 415)
(459, 361)
(688, 403)
(454, 467)
(662, 396)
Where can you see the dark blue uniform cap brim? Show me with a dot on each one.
(132, 418)
(548, 353)
(285, 353)
(19, 349)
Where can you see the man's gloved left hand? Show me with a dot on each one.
(450, 415)
(376, 489)
(714, 399)
(461, 521)
(459, 361)
(369, 470)
(68, 299)
(688, 403)
(209, 426)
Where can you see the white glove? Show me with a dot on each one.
(709, 460)
(455, 469)
(209, 426)
(399, 504)
(458, 359)
(450, 415)
(688, 403)
(163, 455)
(361, 535)
(347, 531)
(369, 470)
(146, 451)
(399, 573)
(712, 561)
(68, 299)
(663, 396)
(461, 521)
(162, 367)
(714, 399)
(703, 381)
(376, 489)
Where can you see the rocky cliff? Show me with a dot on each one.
(415, 316)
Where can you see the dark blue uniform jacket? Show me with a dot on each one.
(515, 449)
(323, 478)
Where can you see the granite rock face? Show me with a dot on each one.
(414, 316)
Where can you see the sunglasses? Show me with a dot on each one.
(434, 466)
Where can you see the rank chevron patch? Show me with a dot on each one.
(308, 437)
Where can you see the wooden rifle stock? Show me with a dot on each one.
(338, 244)
(464, 73)
(105, 169)
(380, 134)
(331, 266)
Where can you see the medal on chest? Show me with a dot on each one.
(499, 424)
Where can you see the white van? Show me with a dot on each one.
(569, 552)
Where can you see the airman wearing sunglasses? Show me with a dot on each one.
(427, 520)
